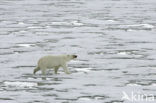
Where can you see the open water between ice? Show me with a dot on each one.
(115, 41)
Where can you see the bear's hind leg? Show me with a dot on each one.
(36, 69)
(43, 70)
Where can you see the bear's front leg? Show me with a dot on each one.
(66, 70)
(56, 69)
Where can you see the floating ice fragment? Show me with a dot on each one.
(147, 26)
(20, 84)
(60, 23)
(22, 31)
(33, 27)
(153, 84)
(111, 20)
(141, 25)
(77, 23)
(25, 45)
(84, 69)
(84, 99)
(122, 53)
(20, 23)
(133, 85)
(130, 30)
(47, 26)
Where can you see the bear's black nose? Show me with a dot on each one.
(75, 56)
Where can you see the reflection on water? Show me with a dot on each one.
(114, 41)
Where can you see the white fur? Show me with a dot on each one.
(55, 62)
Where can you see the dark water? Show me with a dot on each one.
(115, 41)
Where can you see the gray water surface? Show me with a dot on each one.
(115, 41)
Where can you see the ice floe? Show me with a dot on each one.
(26, 45)
(20, 84)
(83, 69)
(133, 85)
(77, 23)
(70, 23)
(21, 23)
(122, 53)
(149, 26)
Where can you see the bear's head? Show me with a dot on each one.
(70, 57)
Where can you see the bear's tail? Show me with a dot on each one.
(36, 69)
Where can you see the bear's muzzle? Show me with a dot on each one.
(74, 56)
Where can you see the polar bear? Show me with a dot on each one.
(52, 61)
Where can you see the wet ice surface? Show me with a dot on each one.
(114, 41)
